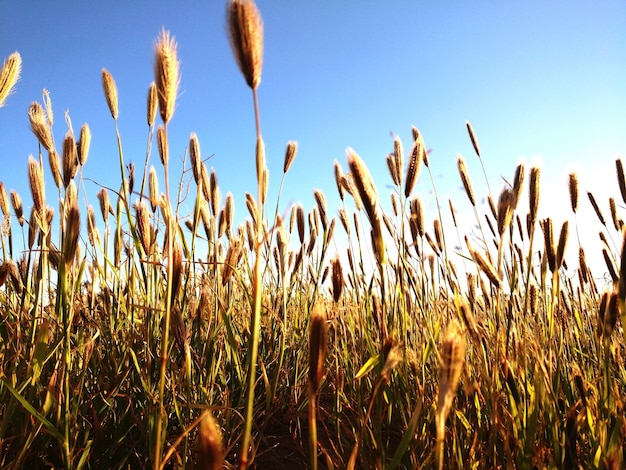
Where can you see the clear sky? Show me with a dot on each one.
(534, 78)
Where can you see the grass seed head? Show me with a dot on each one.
(39, 126)
(535, 174)
(465, 178)
(9, 75)
(4, 201)
(620, 179)
(473, 138)
(391, 356)
(365, 186)
(573, 191)
(83, 144)
(16, 202)
(152, 103)
(195, 157)
(153, 188)
(245, 28)
(549, 247)
(398, 157)
(320, 200)
(452, 361)
(70, 159)
(418, 155)
(596, 208)
(318, 339)
(105, 205)
(162, 145)
(339, 179)
(55, 168)
(506, 207)
(337, 278)
(37, 187)
(290, 155)
(614, 217)
(560, 250)
(518, 181)
(484, 264)
(71, 234)
(210, 448)
(110, 93)
(166, 74)
(300, 222)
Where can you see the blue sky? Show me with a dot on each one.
(534, 78)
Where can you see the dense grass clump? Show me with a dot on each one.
(154, 339)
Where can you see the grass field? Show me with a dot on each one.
(134, 336)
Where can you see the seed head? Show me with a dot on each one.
(83, 144)
(70, 159)
(620, 178)
(337, 278)
(153, 188)
(9, 75)
(535, 173)
(210, 450)
(39, 126)
(473, 138)
(317, 346)
(152, 104)
(166, 74)
(110, 92)
(162, 145)
(418, 154)
(290, 155)
(465, 178)
(16, 202)
(245, 28)
(37, 188)
(573, 191)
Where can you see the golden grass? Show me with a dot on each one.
(271, 343)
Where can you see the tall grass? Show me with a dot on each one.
(170, 340)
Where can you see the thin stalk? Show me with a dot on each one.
(166, 322)
(256, 308)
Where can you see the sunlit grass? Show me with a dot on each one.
(147, 337)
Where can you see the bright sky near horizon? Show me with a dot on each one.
(534, 78)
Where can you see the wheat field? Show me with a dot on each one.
(133, 335)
